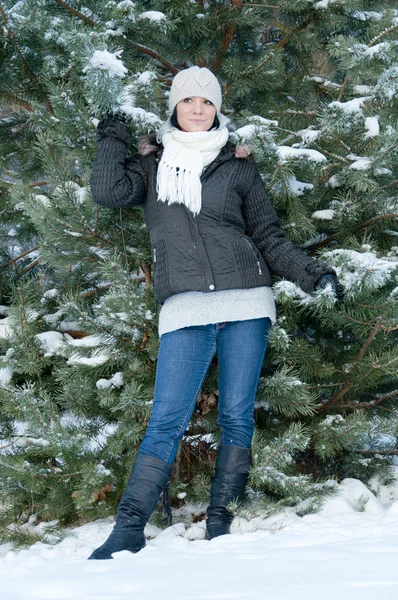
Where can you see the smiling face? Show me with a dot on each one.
(195, 114)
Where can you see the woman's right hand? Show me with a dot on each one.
(114, 126)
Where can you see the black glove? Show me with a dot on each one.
(335, 283)
(114, 125)
(117, 115)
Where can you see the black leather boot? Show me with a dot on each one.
(148, 479)
(228, 483)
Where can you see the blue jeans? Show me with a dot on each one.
(183, 361)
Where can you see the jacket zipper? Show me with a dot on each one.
(255, 252)
(203, 257)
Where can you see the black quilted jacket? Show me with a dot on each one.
(236, 240)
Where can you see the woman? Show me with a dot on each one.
(215, 238)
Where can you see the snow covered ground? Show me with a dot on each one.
(347, 551)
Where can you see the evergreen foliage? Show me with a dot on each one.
(312, 88)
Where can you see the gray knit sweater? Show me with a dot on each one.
(199, 308)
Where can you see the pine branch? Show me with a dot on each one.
(370, 339)
(376, 219)
(37, 184)
(363, 225)
(343, 87)
(32, 265)
(68, 196)
(261, 64)
(284, 41)
(138, 47)
(24, 66)
(348, 385)
(393, 452)
(76, 13)
(389, 329)
(15, 100)
(11, 263)
(292, 112)
(384, 187)
(373, 403)
(153, 54)
(381, 35)
(261, 5)
(387, 364)
(14, 260)
(227, 39)
(147, 279)
(371, 43)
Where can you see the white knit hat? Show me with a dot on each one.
(195, 81)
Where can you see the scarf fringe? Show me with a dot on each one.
(180, 186)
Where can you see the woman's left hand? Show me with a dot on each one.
(334, 282)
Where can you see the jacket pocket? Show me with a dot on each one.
(161, 273)
(256, 254)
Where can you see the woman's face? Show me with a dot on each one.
(195, 114)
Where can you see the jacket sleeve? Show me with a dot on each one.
(281, 255)
(117, 181)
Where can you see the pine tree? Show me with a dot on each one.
(312, 89)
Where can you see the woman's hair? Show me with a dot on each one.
(174, 121)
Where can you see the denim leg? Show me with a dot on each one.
(183, 361)
(241, 348)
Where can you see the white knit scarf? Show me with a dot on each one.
(185, 156)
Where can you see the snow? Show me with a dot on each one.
(333, 182)
(376, 49)
(362, 89)
(324, 4)
(64, 325)
(125, 4)
(100, 252)
(361, 163)
(309, 135)
(291, 290)
(115, 381)
(286, 152)
(4, 310)
(356, 269)
(89, 341)
(246, 132)
(44, 200)
(152, 15)
(51, 342)
(387, 85)
(372, 126)
(146, 77)
(5, 376)
(107, 61)
(348, 550)
(5, 329)
(259, 120)
(55, 343)
(324, 215)
(364, 15)
(92, 361)
(140, 115)
(53, 293)
(298, 187)
(73, 233)
(350, 107)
